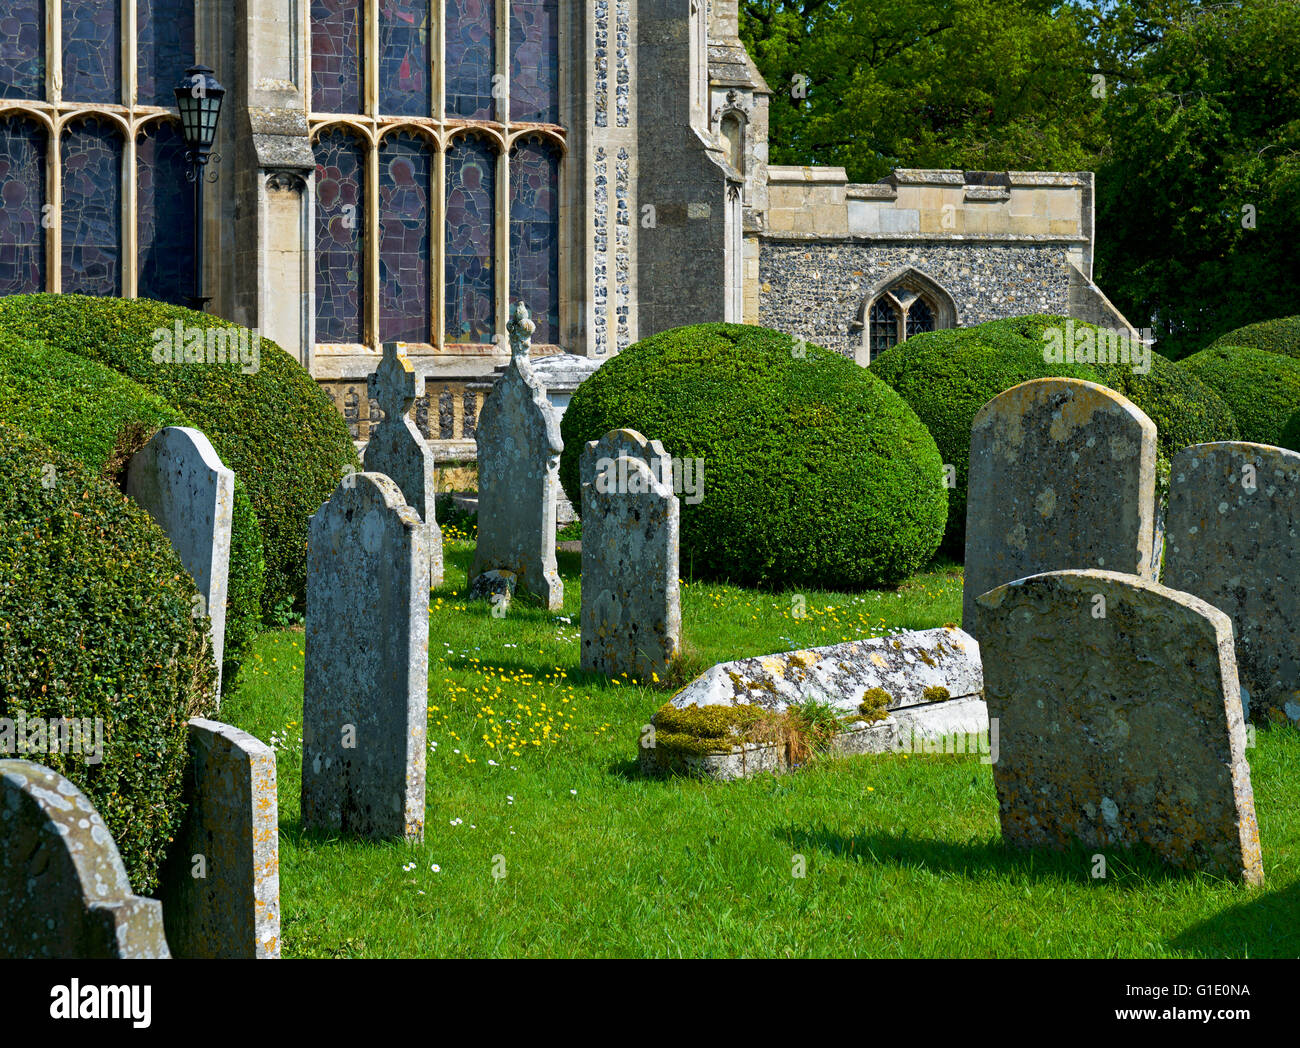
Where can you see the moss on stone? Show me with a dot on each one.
(874, 705)
(936, 693)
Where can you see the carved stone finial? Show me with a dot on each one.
(395, 385)
(521, 328)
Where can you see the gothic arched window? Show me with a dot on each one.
(458, 158)
(102, 141)
(898, 313)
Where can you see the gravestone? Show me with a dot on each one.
(1062, 477)
(1234, 541)
(221, 886)
(366, 680)
(631, 599)
(64, 892)
(178, 479)
(397, 449)
(518, 476)
(1119, 720)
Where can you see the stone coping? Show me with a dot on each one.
(921, 238)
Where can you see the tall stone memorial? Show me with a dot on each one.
(179, 480)
(64, 891)
(519, 450)
(631, 603)
(365, 698)
(1119, 720)
(1062, 477)
(1233, 540)
(397, 449)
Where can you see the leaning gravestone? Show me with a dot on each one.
(221, 886)
(64, 892)
(397, 449)
(365, 697)
(1234, 541)
(1062, 477)
(179, 480)
(518, 476)
(631, 603)
(1119, 720)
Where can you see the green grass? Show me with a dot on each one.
(903, 855)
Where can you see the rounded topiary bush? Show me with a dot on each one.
(947, 376)
(273, 426)
(1261, 388)
(100, 418)
(1273, 336)
(96, 622)
(1291, 433)
(815, 473)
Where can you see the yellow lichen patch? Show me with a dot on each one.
(878, 660)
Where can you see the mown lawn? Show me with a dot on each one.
(542, 840)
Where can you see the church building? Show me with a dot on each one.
(405, 170)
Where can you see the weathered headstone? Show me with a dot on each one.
(1119, 720)
(1234, 541)
(518, 476)
(631, 598)
(179, 480)
(365, 699)
(64, 892)
(221, 886)
(1062, 477)
(397, 449)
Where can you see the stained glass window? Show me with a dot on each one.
(340, 167)
(92, 51)
(336, 27)
(404, 58)
(470, 58)
(165, 44)
(471, 231)
(405, 169)
(535, 61)
(884, 327)
(92, 208)
(22, 49)
(534, 234)
(22, 200)
(164, 216)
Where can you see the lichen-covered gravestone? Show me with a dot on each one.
(64, 892)
(1234, 540)
(397, 449)
(518, 476)
(178, 479)
(1062, 477)
(631, 602)
(1119, 720)
(221, 885)
(366, 680)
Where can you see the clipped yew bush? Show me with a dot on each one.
(1261, 388)
(273, 426)
(100, 418)
(1291, 433)
(1273, 336)
(96, 623)
(815, 472)
(947, 376)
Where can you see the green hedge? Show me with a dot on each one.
(275, 428)
(1261, 388)
(1291, 433)
(947, 376)
(99, 418)
(1274, 336)
(815, 473)
(100, 624)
